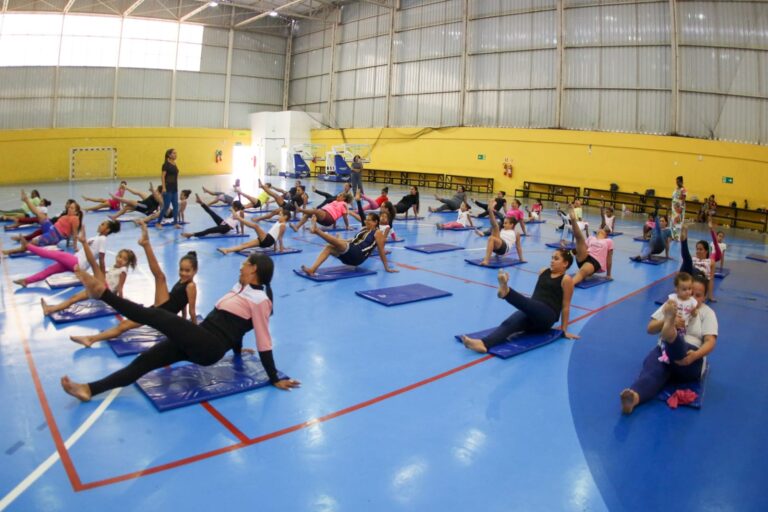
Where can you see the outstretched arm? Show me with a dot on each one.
(192, 302)
(566, 311)
(380, 241)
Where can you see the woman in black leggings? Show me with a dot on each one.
(222, 225)
(247, 306)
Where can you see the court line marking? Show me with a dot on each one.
(314, 421)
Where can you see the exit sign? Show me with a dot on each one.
(480, 156)
(727, 179)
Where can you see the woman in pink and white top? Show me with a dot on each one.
(111, 203)
(516, 213)
(329, 214)
(502, 240)
(247, 306)
(593, 254)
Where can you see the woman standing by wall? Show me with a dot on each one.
(170, 187)
(678, 208)
(356, 176)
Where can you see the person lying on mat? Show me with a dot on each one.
(660, 237)
(717, 246)
(452, 204)
(19, 221)
(551, 300)
(502, 240)
(182, 298)
(329, 214)
(701, 263)
(223, 226)
(464, 219)
(535, 211)
(65, 261)
(593, 254)
(265, 239)
(355, 251)
(104, 203)
(66, 226)
(114, 277)
(329, 198)
(499, 206)
(150, 204)
(686, 353)
(247, 306)
(25, 211)
(410, 200)
(291, 202)
(39, 231)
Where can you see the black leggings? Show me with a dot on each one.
(329, 198)
(219, 228)
(186, 342)
(532, 316)
(484, 207)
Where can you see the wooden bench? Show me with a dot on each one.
(548, 192)
(470, 183)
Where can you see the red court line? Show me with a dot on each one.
(66, 460)
(330, 416)
(282, 432)
(224, 421)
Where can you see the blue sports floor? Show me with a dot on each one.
(393, 413)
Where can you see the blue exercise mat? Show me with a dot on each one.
(130, 219)
(270, 251)
(593, 281)
(83, 310)
(375, 253)
(758, 257)
(391, 240)
(463, 228)
(138, 340)
(221, 235)
(697, 387)
(615, 233)
(335, 273)
(63, 280)
(722, 274)
(170, 388)
(518, 343)
(640, 239)
(556, 245)
(336, 229)
(165, 222)
(272, 220)
(404, 294)
(496, 262)
(527, 222)
(652, 260)
(444, 212)
(434, 248)
(410, 218)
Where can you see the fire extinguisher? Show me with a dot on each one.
(507, 167)
(218, 156)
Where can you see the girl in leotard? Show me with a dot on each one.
(114, 277)
(182, 298)
(222, 225)
(355, 251)
(111, 203)
(247, 306)
(265, 239)
(502, 240)
(551, 300)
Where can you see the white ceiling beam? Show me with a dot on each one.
(68, 6)
(5, 5)
(195, 12)
(133, 7)
(266, 13)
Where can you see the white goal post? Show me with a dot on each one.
(92, 163)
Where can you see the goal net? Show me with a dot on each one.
(92, 163)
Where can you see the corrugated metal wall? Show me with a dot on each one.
(44, 97)
(646, 66)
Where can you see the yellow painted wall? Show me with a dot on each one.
(585, 159)
(31, 156)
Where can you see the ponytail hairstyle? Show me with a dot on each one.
(168, 154)
(705, 245)
(390, 208)
(265, 268)
(237, 205)
(191, 257)
(34, 193)
(47, 203)
(185, 193)
(130, 257)
(114, 226)
(567, 256)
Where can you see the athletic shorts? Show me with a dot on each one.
(593, 261)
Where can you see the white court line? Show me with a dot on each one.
(50, 461)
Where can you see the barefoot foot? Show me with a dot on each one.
(85, 341)
(21, 282)
(629, 400)
(80, 391)
(474, 344)
(307, 270)
(47, 310)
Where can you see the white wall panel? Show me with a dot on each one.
(344, 113)
(72, 112)
(26, 113)
(514, 108)
(363, 113)
(404, 110)
(255, 42)
(582, 67)
(31, 82)
(256, 90)
(365, 82)
(618, 111)
(200, 86)
(483, 71)
(479, 8)
(213, 59)
(199, 114)
(87, 82)
(481, 108)
(346, 56)
(143, 112)
(215, 37)
(739, 24)
(345, 84)
(265, 65)
(581, 109)
(619, 67)
(143, 83)
(653, 112)
(239, 112)
(699, 69)
(543, 109)
(654, 69)
(297, 92)
(699, 114)
(739, 120)
(738, 72)
(653, 23)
